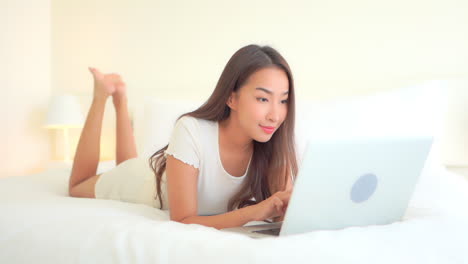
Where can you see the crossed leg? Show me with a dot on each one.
(83, 176)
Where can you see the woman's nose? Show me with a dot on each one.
(273, 114)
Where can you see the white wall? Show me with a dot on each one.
(455, 149)
(25, 78)
(335, 47)
(174, 49)
(177, 49)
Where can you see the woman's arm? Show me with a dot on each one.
(234, 218)
(182, 184)
(272, 207)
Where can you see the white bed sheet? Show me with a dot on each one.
(39, 223)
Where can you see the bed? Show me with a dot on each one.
(40, 223)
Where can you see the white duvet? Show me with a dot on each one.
(39, 223)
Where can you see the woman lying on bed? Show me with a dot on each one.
(229, 162)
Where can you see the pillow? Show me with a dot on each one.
(410, 111)
(154, 121)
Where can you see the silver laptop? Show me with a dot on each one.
(350, 182)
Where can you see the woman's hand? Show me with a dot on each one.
(272, 207)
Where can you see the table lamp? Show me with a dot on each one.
(64, 113)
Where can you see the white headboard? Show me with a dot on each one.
(411, 111)
(153, 121)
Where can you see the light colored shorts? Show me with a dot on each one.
(131, 181)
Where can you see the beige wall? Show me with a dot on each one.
(25, 78)
(335, 48)
(177, 49)
(455, 147)
(174, 49)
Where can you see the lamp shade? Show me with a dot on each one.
(64, 112)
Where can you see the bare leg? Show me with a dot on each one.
(86, 158)
(125, 143)
(87, 152)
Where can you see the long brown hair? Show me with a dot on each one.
(273, 161)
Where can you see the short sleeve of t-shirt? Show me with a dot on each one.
(184, 143)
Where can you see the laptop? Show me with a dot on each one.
(350, 182)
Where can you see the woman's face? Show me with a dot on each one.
(261, 103)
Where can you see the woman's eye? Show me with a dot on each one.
(284, 101)
(262, 99)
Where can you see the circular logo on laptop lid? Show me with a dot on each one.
(364, 188)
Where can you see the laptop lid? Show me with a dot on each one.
(354, 182)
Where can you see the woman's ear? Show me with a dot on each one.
(232, 101)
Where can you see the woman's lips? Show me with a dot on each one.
(267, 129)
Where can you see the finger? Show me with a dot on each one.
(284, 205)
(279, 205)
(284, 196)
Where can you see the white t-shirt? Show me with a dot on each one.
(195, 142)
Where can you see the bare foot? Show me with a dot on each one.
(105, 84)
(120, 93)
